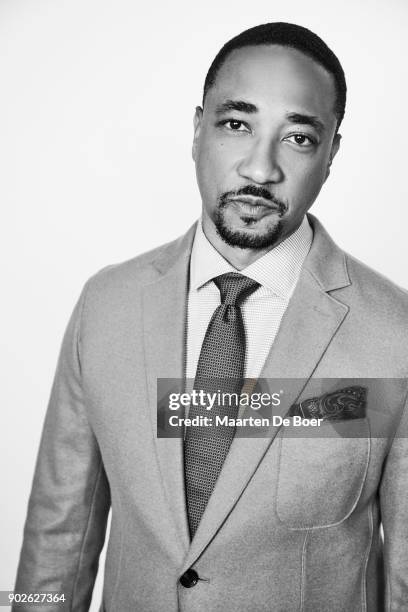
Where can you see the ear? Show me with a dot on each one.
(334, 148)
(198, 117)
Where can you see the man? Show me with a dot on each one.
(217, 521)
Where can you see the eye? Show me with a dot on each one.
(235, 125)
(302, 140)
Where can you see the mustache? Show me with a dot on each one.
(253, 190)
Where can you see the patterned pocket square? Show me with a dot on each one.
(339, 405)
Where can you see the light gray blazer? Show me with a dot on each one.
(293, 523)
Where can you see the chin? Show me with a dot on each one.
(236, 234)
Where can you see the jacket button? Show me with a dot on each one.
(189, 578)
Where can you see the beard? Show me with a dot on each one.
(251, 239)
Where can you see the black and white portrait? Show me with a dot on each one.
(206, 195)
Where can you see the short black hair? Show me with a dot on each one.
(286, 35)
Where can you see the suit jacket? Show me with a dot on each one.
(293, 523)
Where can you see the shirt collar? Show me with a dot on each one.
(278, 270)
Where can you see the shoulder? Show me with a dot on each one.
(369, 295)
(376, 293)
(112, 298)
(142, 269)
(375, 329)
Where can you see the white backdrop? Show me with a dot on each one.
(96, 107)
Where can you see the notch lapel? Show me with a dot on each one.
(164, 330)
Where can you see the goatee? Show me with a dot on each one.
(240, 238)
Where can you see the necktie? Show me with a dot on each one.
(220, 369)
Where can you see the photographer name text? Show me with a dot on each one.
(225, 421)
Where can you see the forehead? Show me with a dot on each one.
(275, 76)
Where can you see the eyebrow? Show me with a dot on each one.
(236, 105)
(306, 120)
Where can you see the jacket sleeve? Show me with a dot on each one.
(69, 502)
(394, 513)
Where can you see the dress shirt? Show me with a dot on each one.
(277, 272)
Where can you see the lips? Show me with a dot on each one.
(253, 205)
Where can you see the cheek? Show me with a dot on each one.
(207, 171)
(307, 179)
(213, 164)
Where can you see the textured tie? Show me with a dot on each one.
(220, 368)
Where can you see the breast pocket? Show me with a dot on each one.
(321, 476)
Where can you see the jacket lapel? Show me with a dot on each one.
(164, 329)
(310, 322)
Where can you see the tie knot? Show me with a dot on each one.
(235, 288)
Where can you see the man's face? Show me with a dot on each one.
(263, 144)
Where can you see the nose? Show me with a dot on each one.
(260, 164)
